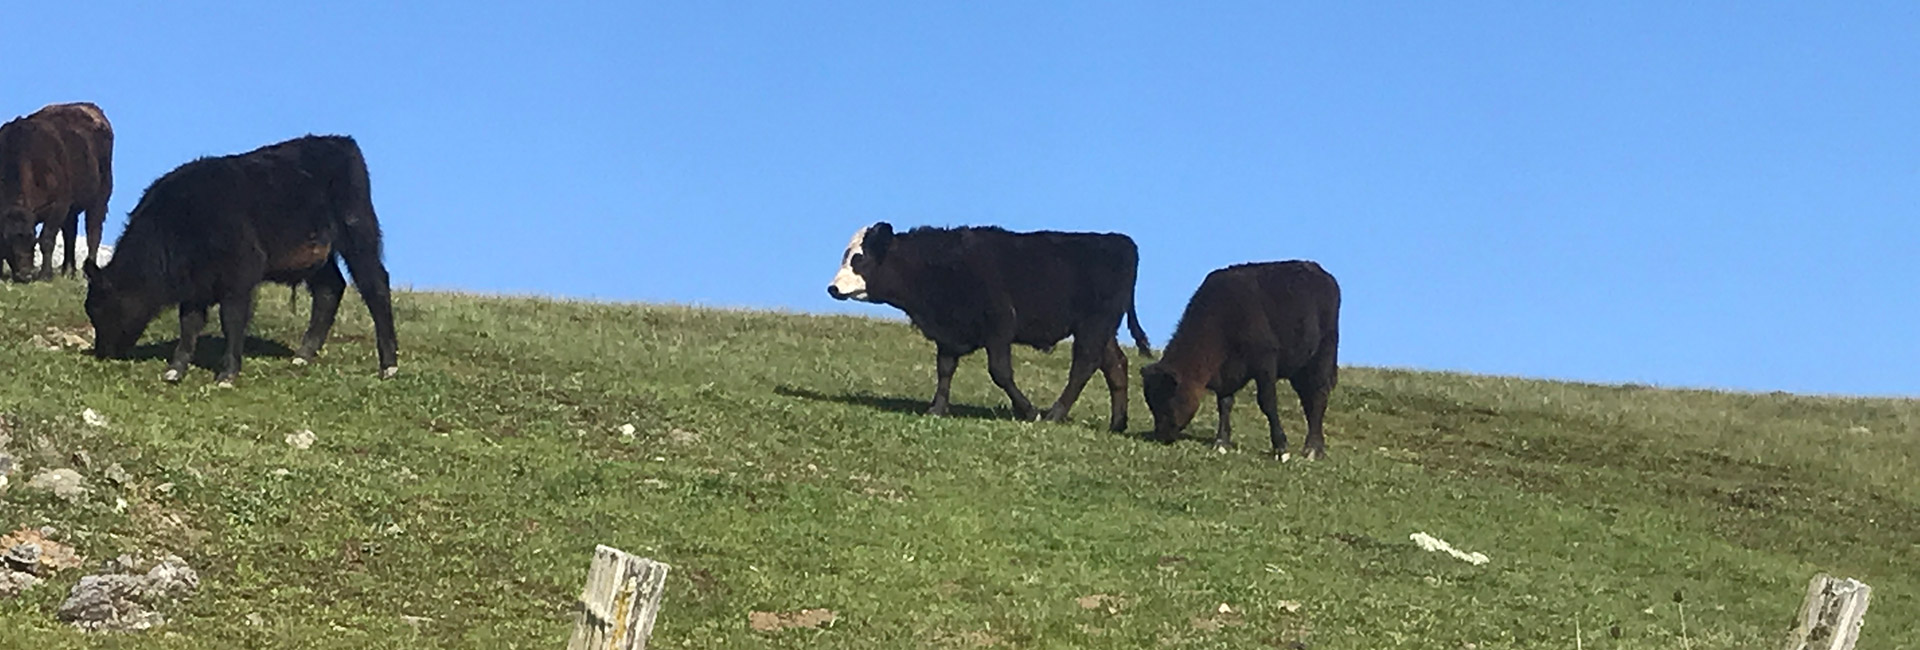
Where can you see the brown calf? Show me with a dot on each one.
(1260, 322)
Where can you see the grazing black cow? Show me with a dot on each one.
(211, 230)
(54, 164)
(1261, 322)
(984, 287)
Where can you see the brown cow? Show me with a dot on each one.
(54, 164)
(1261, 322)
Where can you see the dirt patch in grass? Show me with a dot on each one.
(777, 621)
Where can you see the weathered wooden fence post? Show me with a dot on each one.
(619, 602)
(1831, 617)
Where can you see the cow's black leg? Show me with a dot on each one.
(193, 319)
(1087, 357)
(1314, 393)
(1114, 368)
(1223, 434)
(96, 221)
(370, 277)
(1270, 405)
(236, 309)
(71, 229)
(1000, 367)
(944, 365)
(48, 232)
(327, 286)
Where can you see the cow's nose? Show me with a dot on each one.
(835, 292)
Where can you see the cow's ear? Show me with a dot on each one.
(879, 237)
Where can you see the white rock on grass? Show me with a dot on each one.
(79, 252)
(92, 418)
(64, 483)
(1435, 544)
(302, 439)
(14, 582)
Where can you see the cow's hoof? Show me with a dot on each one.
(1282, 457)
(1055, 414)
(1315, 454)
(300, 361)
(1224, 446)
(171, 376)
(389, 372)
(224, 383)
(1118, 426)
(937, 410)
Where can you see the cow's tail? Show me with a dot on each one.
(1139, 335)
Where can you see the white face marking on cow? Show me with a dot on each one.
(848, 285)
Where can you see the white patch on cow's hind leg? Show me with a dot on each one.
(171, 376)
(848, 285)
(300, 361)
(390, 371)
(224, 383)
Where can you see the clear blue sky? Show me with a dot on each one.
(1713, 194)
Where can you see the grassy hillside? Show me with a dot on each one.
(779, 463)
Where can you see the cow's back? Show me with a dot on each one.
(40, 165)
(1057, 279)
(84, 120)
(1288, 308)
(289, 201)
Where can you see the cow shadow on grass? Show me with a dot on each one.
(908, 405)
(210, 352)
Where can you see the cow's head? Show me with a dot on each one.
(1172, 403)
(119, 315)
(858, 265)
(16, 241)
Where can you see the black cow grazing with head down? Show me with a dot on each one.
(1261, 322)
(972, 288)
(211, 230)
(54, 164)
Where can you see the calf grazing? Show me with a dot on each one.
(211, 230)
(984, 287)
(1260, 322)
(54, 164)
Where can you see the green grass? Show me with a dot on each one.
(779, 464)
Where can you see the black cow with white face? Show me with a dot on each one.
(984, 287)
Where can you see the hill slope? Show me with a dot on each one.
(779, 463)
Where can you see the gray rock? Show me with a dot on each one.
(117, 474)
(14, 582)
(171, 579)
(24, 556)
(64, 483)
(128, 601)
